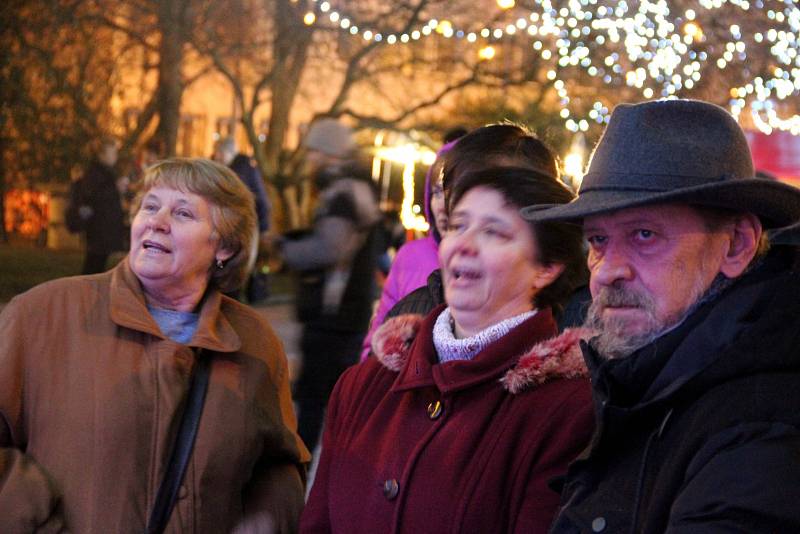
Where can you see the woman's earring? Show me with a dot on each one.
(220, 265)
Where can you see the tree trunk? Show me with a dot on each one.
(170, 81)
(292, 211)
(289, 59)
(290, 53)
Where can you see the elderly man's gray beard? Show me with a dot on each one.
(615, 341)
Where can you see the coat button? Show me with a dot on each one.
(390, 489)
(599, 524)
(183, 492)
(434, 410)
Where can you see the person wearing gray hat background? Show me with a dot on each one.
(695, 361)
(335, 261)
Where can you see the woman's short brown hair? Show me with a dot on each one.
(233, 214)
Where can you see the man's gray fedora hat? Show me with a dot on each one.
(674, 151)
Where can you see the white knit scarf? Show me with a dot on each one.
(448, 348)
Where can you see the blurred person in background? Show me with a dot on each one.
(391, 236)
(227, 153)
(95, 208)
(95, 370)
(149, 153)
(463, 417)
(335, 263)
(417, 259)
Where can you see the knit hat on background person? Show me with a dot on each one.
(684, 151)
(330, 137)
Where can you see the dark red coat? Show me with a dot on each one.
(394, 461)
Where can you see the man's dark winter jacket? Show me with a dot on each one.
(700, 430)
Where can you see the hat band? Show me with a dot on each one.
(597, 181)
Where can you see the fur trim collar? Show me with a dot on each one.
(559, 357)
(391, 342)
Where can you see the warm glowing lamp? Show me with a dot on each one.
(486, 53)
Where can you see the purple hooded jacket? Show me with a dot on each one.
(411, 266)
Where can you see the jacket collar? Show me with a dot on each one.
(128, 309)
(404, 344)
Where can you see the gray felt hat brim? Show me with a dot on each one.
(666, 151)
(776, 204)
(786, 236)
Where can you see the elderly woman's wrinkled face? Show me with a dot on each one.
(488, 259)
(173, 243)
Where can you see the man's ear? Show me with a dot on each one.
(547, 273)
(745, 235)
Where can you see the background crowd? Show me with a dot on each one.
(618, 359)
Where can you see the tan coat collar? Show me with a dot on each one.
(128, 309)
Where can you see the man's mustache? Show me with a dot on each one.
(614, 297)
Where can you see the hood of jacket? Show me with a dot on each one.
(555, 358)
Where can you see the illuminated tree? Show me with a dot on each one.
(55, 91)
(286, 55)
(155, 37)
(560, 65)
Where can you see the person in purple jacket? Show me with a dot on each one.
(417, 259)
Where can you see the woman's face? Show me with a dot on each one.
(488, 258)
(173, 243)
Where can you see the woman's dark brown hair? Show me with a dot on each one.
(497, 145)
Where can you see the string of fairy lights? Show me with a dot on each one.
(646, 45)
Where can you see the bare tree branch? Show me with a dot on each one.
(374, 121)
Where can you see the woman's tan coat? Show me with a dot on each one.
(90, 396)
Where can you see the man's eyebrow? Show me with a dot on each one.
(591, 229)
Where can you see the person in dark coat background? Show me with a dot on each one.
(226, 151)
(335, 263)
(97, 199)
(696, 365)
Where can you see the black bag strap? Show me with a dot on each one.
(182, 449)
